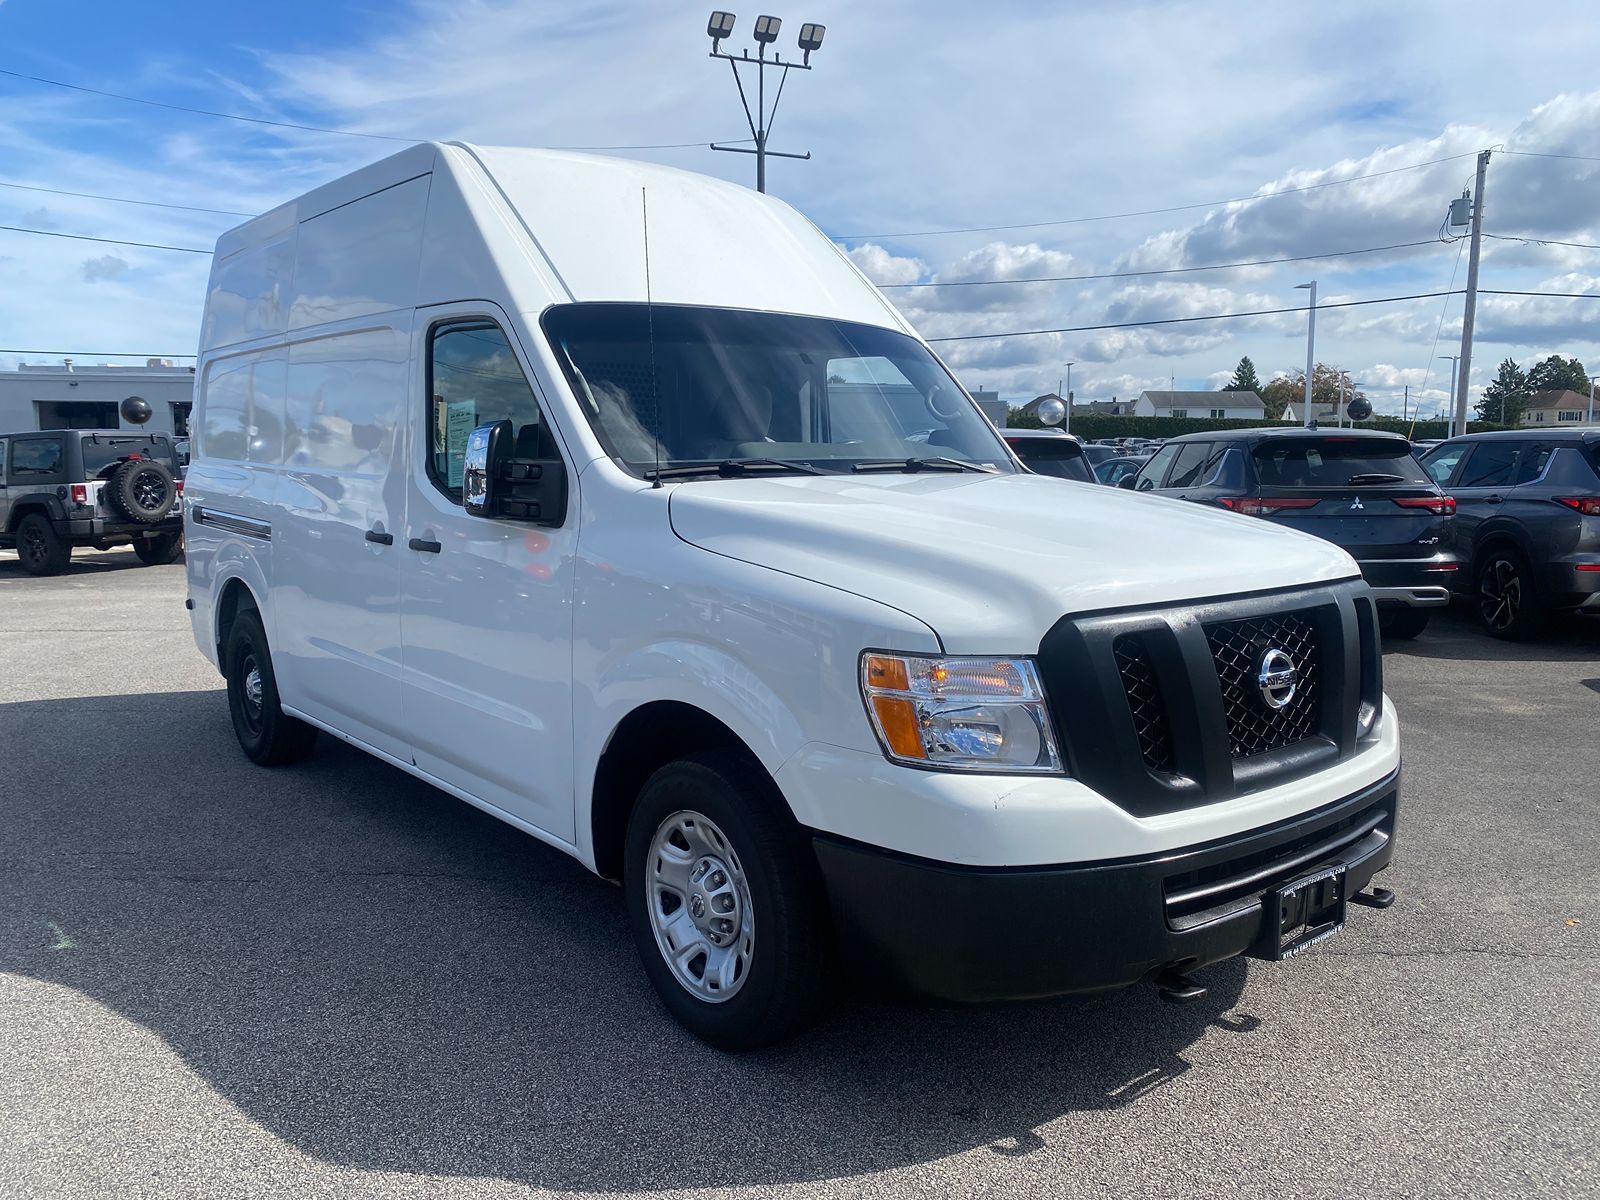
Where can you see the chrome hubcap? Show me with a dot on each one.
(1500, 594)
(700, 910)
(252, 688)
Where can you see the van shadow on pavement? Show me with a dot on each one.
(386, 978)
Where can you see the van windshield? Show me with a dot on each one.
(714, 387)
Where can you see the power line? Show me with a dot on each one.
(386, 137)
(1261, 312)
(83, 237)
(1148, 212)
(1260, 262)
(28, 187)
(1533, 241)
(203, 112)
(1552, 295)
(94, 354)
(1542, 154)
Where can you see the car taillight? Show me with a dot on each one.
(1589, 506)
(1252, 507)
(179, 485)
(80, 493)
(1439, 506)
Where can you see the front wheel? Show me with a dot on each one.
(725, 902)
(160, 550)
(1507, 601)
(1402, 624)
(266, 733)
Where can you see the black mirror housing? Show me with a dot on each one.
(502, 488)
(1128, 481)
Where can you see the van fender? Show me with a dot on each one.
(232, 560)
(695, 673)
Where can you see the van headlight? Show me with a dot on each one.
(960, 714)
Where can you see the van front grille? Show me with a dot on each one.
(1145, 704)
(1237, 648)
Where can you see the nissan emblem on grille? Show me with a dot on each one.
(1277, 677)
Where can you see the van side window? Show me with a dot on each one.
(474, 379)
(35, 459)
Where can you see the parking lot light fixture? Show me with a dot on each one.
(811, 39)
(759, 117)
(720, 26)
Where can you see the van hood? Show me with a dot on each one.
(990, 563)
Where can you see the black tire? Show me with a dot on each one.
(1504, 595)
(266, 734)
(781, 991)
(39, 548)
(1402, 624)
(143, 490)
(160, 550)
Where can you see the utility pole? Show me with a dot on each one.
(1471, 310)
(1405, 404)
(1450, 419)
(1311, 346)
(760, 121)
(1066, 397)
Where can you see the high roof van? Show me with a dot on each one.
(615, 501)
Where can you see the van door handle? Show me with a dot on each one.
(382, 539)
(425, 546)
(1494, 499)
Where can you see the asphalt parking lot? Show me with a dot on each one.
(335, 981)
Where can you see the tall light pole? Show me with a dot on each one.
(1311, 343)
(766, 33)
(1594, 384)
(1067, 396)
(1450, 429)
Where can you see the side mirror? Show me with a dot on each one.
(499, 487)
(1128, 481)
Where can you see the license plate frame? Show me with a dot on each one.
(1305, 912)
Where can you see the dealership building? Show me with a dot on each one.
(69, 395)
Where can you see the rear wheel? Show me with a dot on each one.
(1507, 602)
(725, 902)
(160, 550)
(1402, 624)
(39, 548)
(266, 733)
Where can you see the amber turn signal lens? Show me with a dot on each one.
(897, 717)
(887, 673)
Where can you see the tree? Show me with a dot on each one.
(1555, 374)
(1506, 399)
(1291, 389)
(1244, 378)
(1279, 394)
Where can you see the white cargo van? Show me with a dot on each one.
(684, 554)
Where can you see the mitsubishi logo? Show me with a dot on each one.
(1278, 678)
(1356, 505)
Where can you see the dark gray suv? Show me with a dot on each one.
(61, 488)
(1527, 522)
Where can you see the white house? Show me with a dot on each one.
(1560, 408)
(67, 395)
(1236, 405)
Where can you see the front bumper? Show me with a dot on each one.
(979, 934)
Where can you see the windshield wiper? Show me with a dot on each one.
(913, 465)
(735, 468)
(1375, 477)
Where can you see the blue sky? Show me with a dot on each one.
(920, 116)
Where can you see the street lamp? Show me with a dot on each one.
(765, 33)
(1066, 396)
(1311, 344)
(1450, 420)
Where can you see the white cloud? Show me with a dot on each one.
(107, 266)
(878, 265)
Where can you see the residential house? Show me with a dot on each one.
(1560, 408)
(1234, 405)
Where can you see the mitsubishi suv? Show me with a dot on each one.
(1359, 489)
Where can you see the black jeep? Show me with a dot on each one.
(62, 488)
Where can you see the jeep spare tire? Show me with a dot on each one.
(142, 489)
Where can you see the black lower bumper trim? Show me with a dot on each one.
(983, 934)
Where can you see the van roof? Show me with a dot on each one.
(573, 227)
